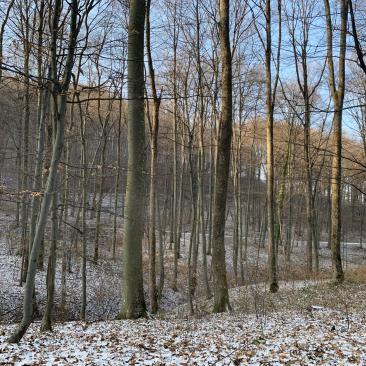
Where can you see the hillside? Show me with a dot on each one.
(314, 335)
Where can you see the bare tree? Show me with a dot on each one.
(59, 93)
(133, 303)
(337, 90)
(154, 130)
(220, 287)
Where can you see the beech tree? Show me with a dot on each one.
(337, 87)
(133, 302)
(220, 287)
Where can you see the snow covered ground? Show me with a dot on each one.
(318, 336)
(309, 322)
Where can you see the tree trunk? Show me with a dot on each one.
(117, 184)
(154, 130)
(100, 194)
(133, 303)
(51, 269)
(272, 257)
(221, 294)
(337, 92)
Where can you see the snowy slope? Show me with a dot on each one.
(316, 337)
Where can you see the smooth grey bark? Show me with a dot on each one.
(117, 183)
(84, 199)
(42, 111)
(270, 102)
(161, 282)
(133, 302)
(46, 324)
(192, 260)
(237, 248)
(220, 286)
(99, 201)
(154, 131)
(19, 185)
(24, 211)
(63, 223)
(337, 92)
(201, 158)
(175, 214)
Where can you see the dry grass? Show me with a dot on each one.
(356, 275)
(350, 296)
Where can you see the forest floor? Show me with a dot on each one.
(311, 335)
(308, 322)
